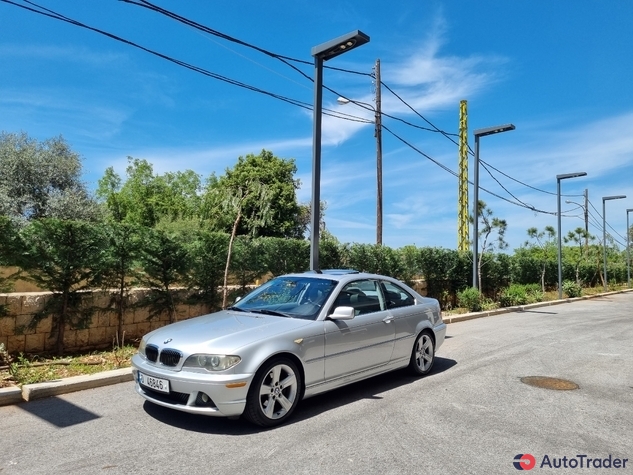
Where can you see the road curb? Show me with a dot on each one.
(29, 392)
(10, 395)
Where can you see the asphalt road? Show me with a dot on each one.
(471, 415)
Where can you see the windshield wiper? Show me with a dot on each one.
(270, 312)
(236, 309)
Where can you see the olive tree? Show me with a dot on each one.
(42, 179)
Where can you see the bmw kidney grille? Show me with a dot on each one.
(167, 357)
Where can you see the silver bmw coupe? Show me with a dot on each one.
(295, 336)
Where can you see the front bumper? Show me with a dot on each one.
(222, 395)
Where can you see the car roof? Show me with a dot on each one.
(341, 275)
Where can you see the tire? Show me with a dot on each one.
(274, 393)
(422, 355)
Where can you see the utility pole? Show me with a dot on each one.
(378, 135)
(586, 217)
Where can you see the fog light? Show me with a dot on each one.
(204, 397)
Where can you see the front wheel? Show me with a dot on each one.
(274, 393)
(422, 355)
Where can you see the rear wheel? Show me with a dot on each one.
(274, 393)
(422, 355)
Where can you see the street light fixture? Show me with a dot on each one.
(585, 208)
(560, 263)
(628, 249)
(321, 53)
(604, 234)
(378, 135)
(480, 133)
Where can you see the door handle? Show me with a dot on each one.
(387, 319)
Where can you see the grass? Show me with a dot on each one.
(29, 369)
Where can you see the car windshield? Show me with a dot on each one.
(295, 297)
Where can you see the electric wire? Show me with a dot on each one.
(504, 188)
(50, 13)
(609, 225)
(448, 136)
(211, 31)
(445, 134)
(525, 184)
(307, 106)
(455, 174)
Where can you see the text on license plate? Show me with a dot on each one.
(151, 382)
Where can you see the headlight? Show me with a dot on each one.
(212, 362)
(141, 347)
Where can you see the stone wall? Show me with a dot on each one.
(100, 332)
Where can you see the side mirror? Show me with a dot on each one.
(238, 299)
(342, 313)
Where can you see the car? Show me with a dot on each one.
(294, 337)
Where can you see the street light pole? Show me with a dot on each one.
(628, 250)
(560, 263)
(480, 133)
(604, 234)
(321, 53)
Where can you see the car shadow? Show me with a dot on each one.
(366, 389)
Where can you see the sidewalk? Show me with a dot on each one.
(29, 392)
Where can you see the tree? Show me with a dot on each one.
(42, 179)
(10, 250)
(489, 226)
(122, 249)
(544, 248)
(164, 261)
(274, 174)
(146, 199)
(207, 256)
(580, 238)
(231, 200)
(61, 256)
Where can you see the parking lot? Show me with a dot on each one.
(473, 414)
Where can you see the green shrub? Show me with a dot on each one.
(520, 294)
(471, 299)
(572, 289)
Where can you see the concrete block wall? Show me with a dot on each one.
(99, 333)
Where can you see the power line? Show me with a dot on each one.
(525, 184)
(437, 129)
(145, 4)
(609, 225)
(455, 174)
(448, 136)
(504, 188)
(308, 106)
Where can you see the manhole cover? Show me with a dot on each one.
(549, 383)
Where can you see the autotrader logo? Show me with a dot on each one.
(524, 462)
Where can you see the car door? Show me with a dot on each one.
(406, 315)
(363, 342)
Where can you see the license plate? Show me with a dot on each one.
(151, 382)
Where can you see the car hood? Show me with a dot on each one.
(222, 332)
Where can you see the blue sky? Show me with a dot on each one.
(561, 72)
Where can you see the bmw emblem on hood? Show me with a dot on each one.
(166, 341)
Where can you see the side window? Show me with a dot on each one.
(363, 295)
(396, 296)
